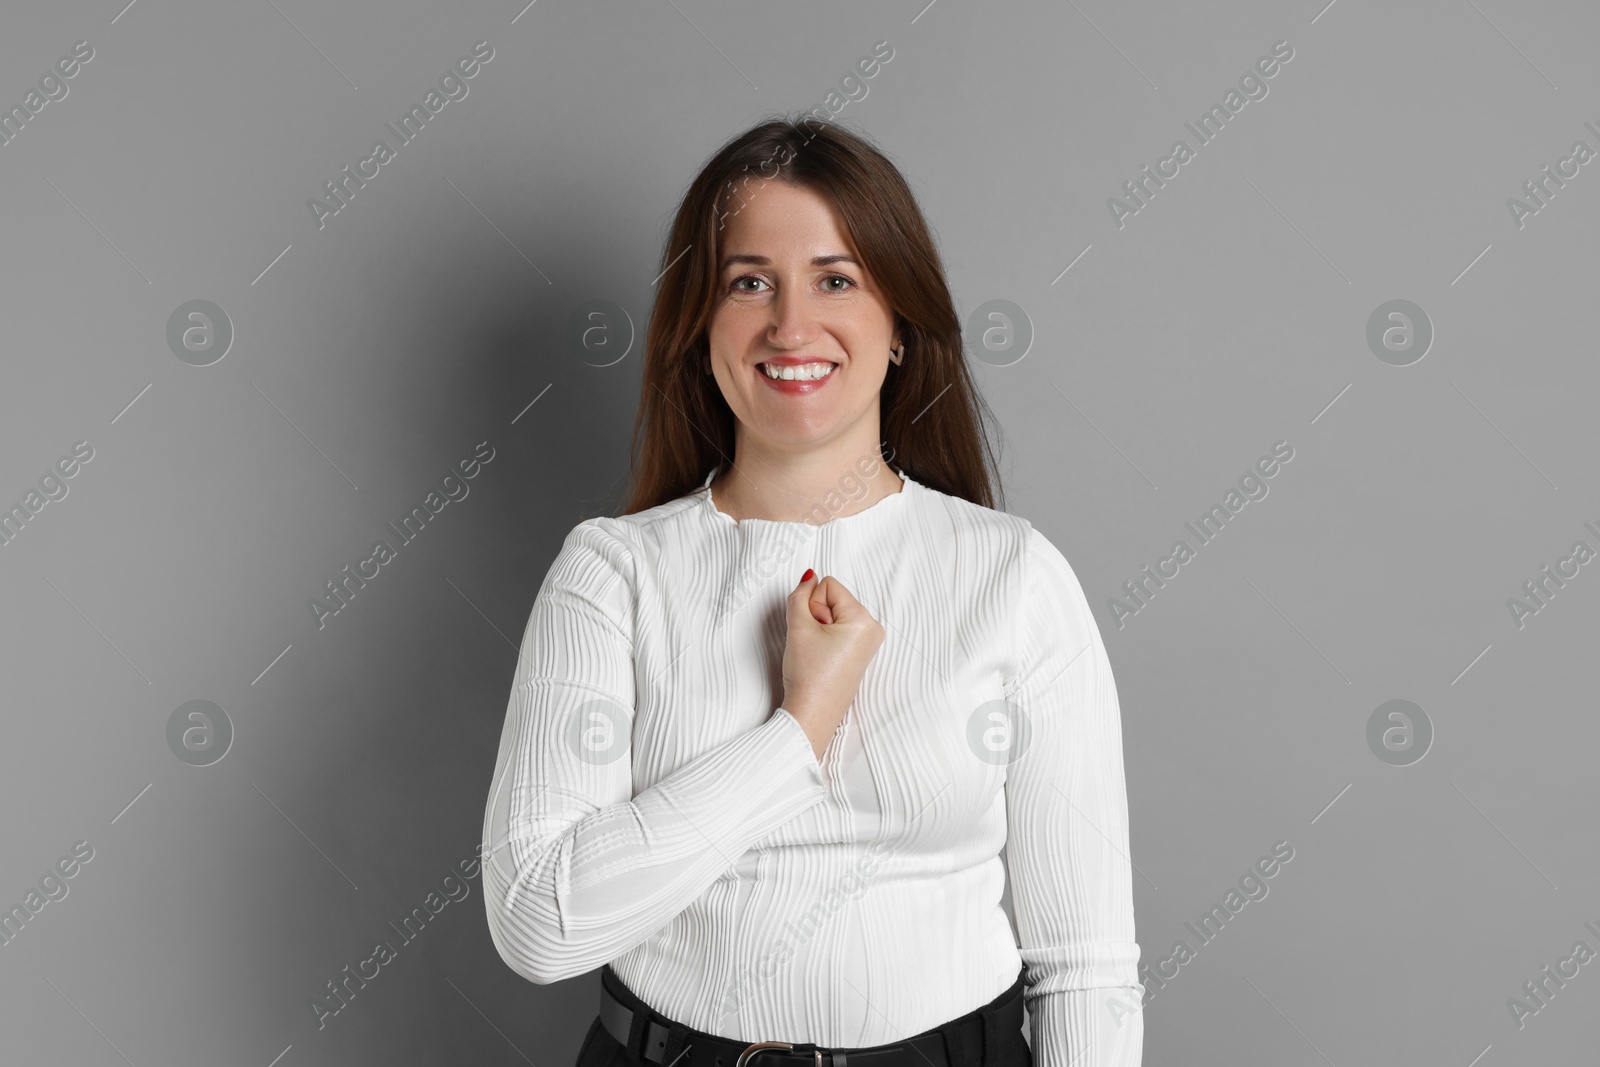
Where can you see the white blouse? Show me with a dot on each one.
(654, 808)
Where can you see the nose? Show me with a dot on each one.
(794, 320)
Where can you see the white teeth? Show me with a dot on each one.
(807, 372)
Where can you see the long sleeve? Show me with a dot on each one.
(577, 869)
(1067, 831)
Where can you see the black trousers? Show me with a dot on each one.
(600, 1049)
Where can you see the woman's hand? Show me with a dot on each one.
(831, 640)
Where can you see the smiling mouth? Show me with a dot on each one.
(805, 372)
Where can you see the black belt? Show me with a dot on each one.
(995, 1027)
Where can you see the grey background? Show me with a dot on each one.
(1228, 314)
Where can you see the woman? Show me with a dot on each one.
(772, 811)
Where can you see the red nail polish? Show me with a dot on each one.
(807, 576)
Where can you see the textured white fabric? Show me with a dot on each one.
(653, 807)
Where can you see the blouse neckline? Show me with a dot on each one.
(881, 507)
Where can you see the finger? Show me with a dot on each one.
(820, 601)
(820, 610)
(841, 604)
(803, 600)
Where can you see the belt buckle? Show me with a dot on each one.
(759, 1046)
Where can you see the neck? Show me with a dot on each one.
(839, 479)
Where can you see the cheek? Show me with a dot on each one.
(732, 330)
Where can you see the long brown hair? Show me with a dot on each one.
(931, 416)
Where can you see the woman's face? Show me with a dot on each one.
(792, 292)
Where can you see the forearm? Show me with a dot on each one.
(565, 895)
(1098, 1027)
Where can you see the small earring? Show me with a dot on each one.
(898, 353)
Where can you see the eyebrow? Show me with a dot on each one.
(762, 261)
